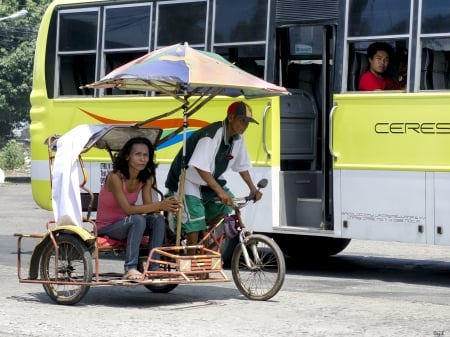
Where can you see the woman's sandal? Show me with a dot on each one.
(132, 275)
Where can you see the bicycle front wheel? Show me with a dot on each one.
(261, 277)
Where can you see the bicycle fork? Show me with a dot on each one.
(250, 263)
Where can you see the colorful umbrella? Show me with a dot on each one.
(182, 70)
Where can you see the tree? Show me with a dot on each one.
(17, 42)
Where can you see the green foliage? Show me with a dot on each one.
(12, 156)
(17, 42)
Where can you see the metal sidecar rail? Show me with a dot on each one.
(175, 268)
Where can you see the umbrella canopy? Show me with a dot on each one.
(182, 70)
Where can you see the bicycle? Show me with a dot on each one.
(257, 263)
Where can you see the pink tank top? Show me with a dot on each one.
(108, 211)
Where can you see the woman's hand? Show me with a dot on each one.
(170, 204)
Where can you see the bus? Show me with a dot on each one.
(342, 164)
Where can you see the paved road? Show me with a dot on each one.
(372, 289)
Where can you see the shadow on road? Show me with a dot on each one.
(388, 269)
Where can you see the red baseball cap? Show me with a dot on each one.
(241, 109)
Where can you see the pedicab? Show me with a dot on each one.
(67, 258)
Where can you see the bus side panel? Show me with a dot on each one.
(383, 205)
(441, 195)
(60, 115)
(392, 131)
(391, 166)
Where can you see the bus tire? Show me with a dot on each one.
(301, 246)
(159, 288)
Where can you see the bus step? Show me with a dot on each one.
(309, 212)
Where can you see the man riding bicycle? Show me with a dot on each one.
(210, 151)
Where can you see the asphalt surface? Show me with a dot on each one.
(372, 289)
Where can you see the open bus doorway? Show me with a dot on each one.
(306, 55)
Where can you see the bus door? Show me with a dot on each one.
(305, 59)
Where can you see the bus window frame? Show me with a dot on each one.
(58, 53)
(237, 44)
(100, 54)
(348, 40)
(159, 4)
(420, 47)
(101, 72)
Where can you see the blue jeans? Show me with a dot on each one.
(156, 229)
(132, 228)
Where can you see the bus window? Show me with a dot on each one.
(369, 18)
(192, 15)
(77, 43)
(435, 43)
(358, 63)
(248, 58)
(126, 37)
(435, 65)
(116, 59)
(127, 27)
(305, 59)
(240, 21)
(435, 16)
(239, 33)
(371, 21)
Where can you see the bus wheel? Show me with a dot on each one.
(299, 246)
(74, 265)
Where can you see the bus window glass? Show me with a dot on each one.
(435, 70)
(435, 17)
(181, 22)
(127, 27)
(78, 31)
(76, 71)
(378, 17)
(306, 42)
(249, 58)
(358, 63)
(77, 45)
(240, 21)
(114, 60)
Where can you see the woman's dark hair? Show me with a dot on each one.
(120, 162)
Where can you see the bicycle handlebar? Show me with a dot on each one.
(241, 202)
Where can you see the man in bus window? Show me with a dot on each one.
(210, 151)
(375, 78)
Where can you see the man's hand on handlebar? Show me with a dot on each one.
(225, 198)
(258, 196)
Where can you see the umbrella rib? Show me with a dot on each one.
(165, 114)
(197, 105)
(162, 89)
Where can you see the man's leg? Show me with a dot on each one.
(193, 220)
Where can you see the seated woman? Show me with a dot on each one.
(375, 78)
(118, 216)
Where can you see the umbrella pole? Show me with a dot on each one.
(183, 173)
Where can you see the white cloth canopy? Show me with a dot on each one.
(66, 199)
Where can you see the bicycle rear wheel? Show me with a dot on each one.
(264, 276)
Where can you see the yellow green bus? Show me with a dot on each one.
(342, 163)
